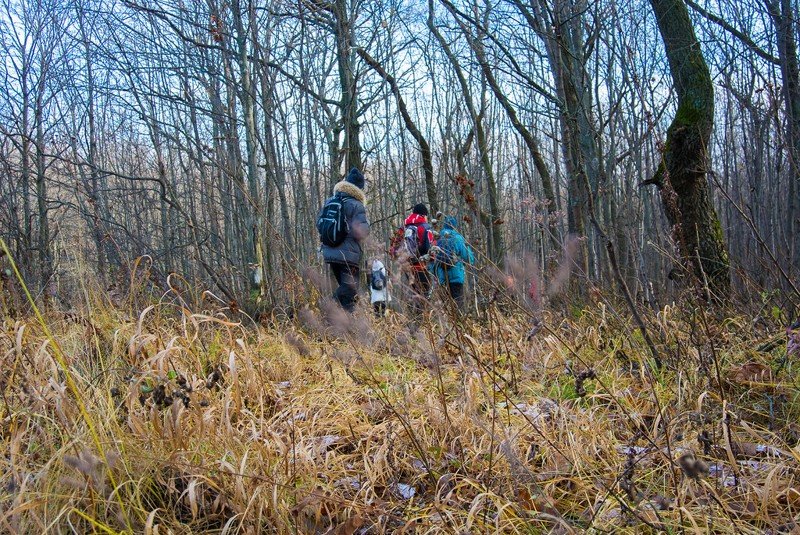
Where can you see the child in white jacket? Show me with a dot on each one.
(379, 288)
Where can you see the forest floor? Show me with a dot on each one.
(149, 417)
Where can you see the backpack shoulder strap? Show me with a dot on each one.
(423, 236)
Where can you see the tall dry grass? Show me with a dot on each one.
(190, 418)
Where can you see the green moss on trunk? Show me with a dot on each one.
(685, 162)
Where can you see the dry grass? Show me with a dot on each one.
(195, 422)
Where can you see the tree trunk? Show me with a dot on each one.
(682, 173)
(107, 256)
(43, 241)
(564, 41)
(783, 19)
(25, 173)
(348, 83)
(251, 197)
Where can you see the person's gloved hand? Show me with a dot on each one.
(435, 249)
(425, 258)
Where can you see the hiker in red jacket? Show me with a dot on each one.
(412, 252)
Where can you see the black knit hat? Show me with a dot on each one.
(420, 209)
(356, 178)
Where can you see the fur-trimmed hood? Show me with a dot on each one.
(355, 214)
(349, 189)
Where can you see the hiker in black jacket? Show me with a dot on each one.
(345, 258)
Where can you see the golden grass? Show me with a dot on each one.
(204, 424)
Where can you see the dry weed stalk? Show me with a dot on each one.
(353, 425)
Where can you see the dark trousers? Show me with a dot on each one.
(421, 289)
(457, 293)
(347, 279)
(455, 290)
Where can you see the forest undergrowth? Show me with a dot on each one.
(179, 415)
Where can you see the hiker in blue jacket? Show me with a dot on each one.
(344, 259)
(450, 253)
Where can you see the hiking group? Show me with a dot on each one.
(423, 254)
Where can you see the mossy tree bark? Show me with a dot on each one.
(681, 177)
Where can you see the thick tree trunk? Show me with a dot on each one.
(252, 199)
(682, 174)
(347, 81)
(560, 25)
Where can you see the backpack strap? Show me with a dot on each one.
(423, 230)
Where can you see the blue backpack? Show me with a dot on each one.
(332, 225)
(446, 256)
